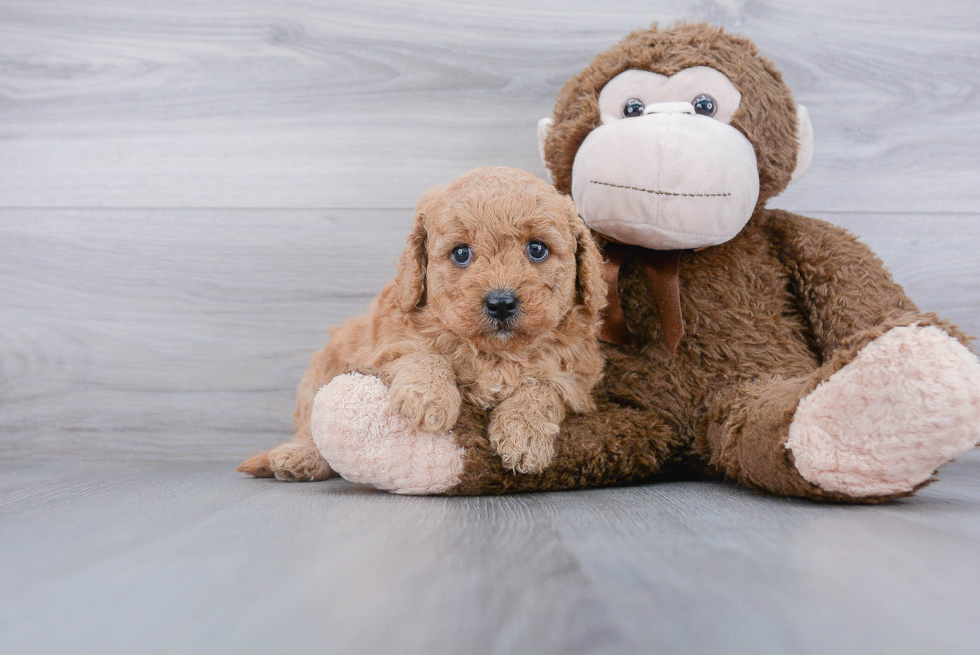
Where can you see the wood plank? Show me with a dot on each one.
(121, 324)
(290, 104)
(190, 557)
(182, 334)
(933, 257)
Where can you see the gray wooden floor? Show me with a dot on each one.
(191, 193)
(167, 557)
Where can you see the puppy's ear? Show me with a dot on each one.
(410, 281)
(591, 286)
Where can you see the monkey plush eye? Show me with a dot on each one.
(461, 255)
(705, 105)
(633, 108)
(537, 251)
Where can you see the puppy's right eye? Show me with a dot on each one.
(461, 255)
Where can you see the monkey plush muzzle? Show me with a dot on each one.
(669, 179)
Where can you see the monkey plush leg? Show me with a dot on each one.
(873, 427)
(365, 442)
(906, 405)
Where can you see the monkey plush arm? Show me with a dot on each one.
(364, 440)
(841, 286)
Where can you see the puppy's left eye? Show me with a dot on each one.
(461, 255)
(537, 251)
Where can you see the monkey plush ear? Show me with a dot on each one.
(410, 281)
(804, 134)
(544, 126)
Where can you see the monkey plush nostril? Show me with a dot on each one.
(500, 304)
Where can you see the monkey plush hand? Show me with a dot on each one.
(741, 342)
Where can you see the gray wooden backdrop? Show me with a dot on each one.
(192, 192)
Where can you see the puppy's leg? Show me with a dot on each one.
(298, 460)
(523, 427)
(294, 461)
(423, 391)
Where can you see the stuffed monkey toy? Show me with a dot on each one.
(741, 342)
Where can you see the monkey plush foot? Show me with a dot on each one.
(907, 404)
(366, 442)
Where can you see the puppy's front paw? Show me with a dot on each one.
(525, 440)
(432, 408)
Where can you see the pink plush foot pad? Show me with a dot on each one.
(906, 405)
(365, 442)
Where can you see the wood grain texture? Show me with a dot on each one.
(166, 333)
(119, 325)
(193, 558)
(295, 104)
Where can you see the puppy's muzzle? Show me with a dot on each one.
(500, 305)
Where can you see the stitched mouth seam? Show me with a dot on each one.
(662, 193)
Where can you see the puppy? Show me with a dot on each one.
(496, 301)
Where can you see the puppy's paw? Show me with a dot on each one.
(295, 462)
(525, 440)
(432, 408)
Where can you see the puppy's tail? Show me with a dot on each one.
(257, 466)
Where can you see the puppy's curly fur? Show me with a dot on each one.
(430, 337)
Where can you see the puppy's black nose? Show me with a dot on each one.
(500, 305)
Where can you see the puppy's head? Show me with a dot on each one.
(499, 257)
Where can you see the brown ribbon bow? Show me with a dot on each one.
(660, 267)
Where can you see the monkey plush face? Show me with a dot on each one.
(665, 169)
(671, 139)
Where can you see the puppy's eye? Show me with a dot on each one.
(705, 105)
(537, 251)
(461, 255)
(633, 107)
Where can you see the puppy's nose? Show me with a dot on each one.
(500, 304)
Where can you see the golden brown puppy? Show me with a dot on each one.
(496, 300)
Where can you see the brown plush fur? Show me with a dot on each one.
(427, 334)
(755, 345)
(768, 315)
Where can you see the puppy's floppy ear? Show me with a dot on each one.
(588, 259)
(410, 280)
